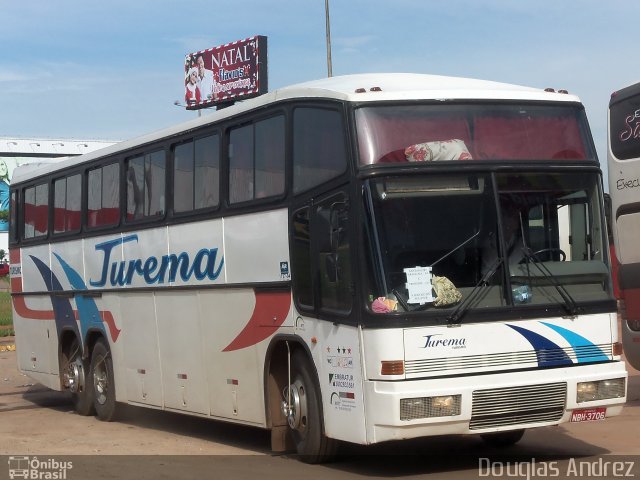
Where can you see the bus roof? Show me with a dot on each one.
(404, 86)
(624, 93)
(370, 87)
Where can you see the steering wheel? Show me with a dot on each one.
(563, 256)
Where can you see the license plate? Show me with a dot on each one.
(589, 414)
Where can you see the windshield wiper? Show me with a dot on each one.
(455, 318)
(569, 303)
(473, 235)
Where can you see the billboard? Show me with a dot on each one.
(226, 73)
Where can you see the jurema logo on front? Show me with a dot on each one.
(432, 342)
(156, 270)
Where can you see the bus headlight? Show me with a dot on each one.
(429, 407)
(600, 390)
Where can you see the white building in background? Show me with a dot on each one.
(22, 151)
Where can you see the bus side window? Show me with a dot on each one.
(183, 177)
(67, 193)
(256, 160)
(319, 151)
(145, 185)
(36, 211)
(207, 172)
(269, 157)
(241, 164)
(103, 199)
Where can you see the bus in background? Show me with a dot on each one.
(624, 188)
(361, 259)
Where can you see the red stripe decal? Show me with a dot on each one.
(14, 255)
(21, 308)
(269, 314)
(107, 318)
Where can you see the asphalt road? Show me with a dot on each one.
(40, 424)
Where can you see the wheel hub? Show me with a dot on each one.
(294, 406)
(75, 376)
(100, 383)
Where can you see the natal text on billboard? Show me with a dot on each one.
(225, 73)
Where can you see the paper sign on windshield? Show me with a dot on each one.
(419, 285)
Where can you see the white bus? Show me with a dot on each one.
(624, 189)
(360, 259)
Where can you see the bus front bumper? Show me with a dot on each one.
(495, 402)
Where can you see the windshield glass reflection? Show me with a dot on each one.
(465, 242)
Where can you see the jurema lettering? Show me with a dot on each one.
(443, 342)
(154, 270)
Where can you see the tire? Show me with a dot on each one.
(502, 439)
(104, 392)
(306, 423)
(76, 372)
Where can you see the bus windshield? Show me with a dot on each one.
(440, 240)
(427, 132)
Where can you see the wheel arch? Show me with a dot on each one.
(65, 340)
(276, 380)
(275, 368)
(93, 335)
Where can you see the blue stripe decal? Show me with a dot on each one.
(584, 355)
(62, 309)
(549, 354)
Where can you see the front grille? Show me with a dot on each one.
(518, 405)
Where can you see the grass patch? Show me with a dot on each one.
(6, 319)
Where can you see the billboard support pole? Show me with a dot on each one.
(328, 34)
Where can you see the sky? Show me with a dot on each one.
(112, 70)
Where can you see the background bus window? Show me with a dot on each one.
(318, 147)
(36, 211)
(624, 128)
(67, 204)
(145, 186)
(103, 196)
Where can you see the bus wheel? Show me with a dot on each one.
(502, 439)
(302, 408)
(103, 384)
(74, 374)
